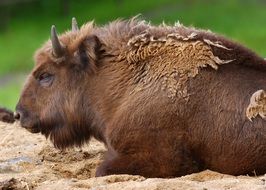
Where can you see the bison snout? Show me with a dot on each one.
(19, 113)
(27, 121)
(16, 115)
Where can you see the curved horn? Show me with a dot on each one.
(58, 50)
(75, 27)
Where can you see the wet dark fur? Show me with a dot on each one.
(148, 133)
(6, 115)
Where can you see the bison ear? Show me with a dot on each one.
(88, 52)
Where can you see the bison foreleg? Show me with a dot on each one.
(148, 164)
(134, 164)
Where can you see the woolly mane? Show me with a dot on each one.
(123, 35)
(171, 54)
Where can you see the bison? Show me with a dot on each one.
(165, 100)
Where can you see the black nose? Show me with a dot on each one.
(16, 115)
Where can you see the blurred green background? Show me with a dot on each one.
(25, 25)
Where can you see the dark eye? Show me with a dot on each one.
(45, 79)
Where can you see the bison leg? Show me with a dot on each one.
(149, 164)
(126, 164)
(151, 141)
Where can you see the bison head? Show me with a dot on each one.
(55, 100)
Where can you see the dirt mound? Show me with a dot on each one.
(14, 184)
(73, 163)
(29, 161)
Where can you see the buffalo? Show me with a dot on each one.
(165, 100)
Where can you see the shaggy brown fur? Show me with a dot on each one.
(6, 115)
(165, 100)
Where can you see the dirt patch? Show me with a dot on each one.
(72, 163)
(14, 184)
(28, 161)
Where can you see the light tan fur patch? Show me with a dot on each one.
(257, 105)
(172, 60)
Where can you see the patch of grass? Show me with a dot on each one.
(9, 95)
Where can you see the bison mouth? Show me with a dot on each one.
(26, 120)
(35, 124)
(31, 125)
(32, 129)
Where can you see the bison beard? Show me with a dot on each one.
(165, 100)
(64, 133)
(65, 128)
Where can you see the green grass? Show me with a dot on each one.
(9, 95)
(241, 20)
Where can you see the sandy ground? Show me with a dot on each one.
(29, 161)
